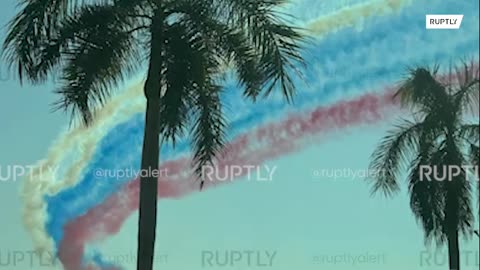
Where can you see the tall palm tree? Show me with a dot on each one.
(186, 44)
(437, 135)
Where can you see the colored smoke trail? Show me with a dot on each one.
(325, 16)
(89, 140)
(257, 114)
(258, 146)
(349, 16)
(85, 137)
(42, 182)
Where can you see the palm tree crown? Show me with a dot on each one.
(94, 45)
(437, 136)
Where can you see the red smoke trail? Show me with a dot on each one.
(254, 148)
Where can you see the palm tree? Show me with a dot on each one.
(437, 135)
(186, 44)
(475, 157)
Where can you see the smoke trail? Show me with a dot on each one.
(357, 11)
(353, 15)
(264, 143)
(87, 141)
(308, 10)
(33, 196)
(249, 104)
(114, 149)
(41, 181)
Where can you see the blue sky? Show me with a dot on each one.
(296, 215)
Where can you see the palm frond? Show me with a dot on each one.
(467, 98)
(209, 123)
(245, 60)
(469, 132)
(178, 79)
(34, 25)
(233, 46)
(193, 94)
(442, 203)
(475, 154)
(458, 190)
(427, 196)
(422, 91)
(209, 127)
(277, 43)
(392, 155)
(96, 60)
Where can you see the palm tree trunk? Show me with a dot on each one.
(453, 251)
(452, 230)
(150, 156)
(148, 189)
(452, 205)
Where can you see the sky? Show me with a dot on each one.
(298, 220)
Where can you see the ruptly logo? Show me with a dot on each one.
(444, 21)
